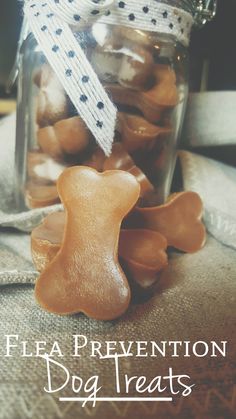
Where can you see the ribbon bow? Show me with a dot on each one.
(52, 23)
(49, 22)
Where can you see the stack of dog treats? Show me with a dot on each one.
(113, 235)
(88, 260)
(143, 88)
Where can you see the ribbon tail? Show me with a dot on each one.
(74, 71)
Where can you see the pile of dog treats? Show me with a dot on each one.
(145, 89)
(89, 254)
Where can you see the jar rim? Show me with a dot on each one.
(202, 10)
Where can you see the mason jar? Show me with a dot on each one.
(145, 74)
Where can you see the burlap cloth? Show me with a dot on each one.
(195, 300)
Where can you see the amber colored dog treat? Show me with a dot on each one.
(72, 134)
(153, 102)
(85, 275)
(121, 160)
(136, 68)
(48, 142)
(165, 91)
(142, 250)
(51, 104)
(179, 220)
(144, 253)
(37, 196)
(68, 136)
(134, 98)
(137, 133)
(42, 168)
(131, 67)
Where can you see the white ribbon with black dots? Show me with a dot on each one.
(52, 23)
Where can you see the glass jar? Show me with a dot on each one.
(146, 76)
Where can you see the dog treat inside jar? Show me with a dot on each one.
(116, 67)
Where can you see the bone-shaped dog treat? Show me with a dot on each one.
(69, 136)
(51, 103)
(165, 91)
(131, 67)
(121, 160)
(179, 220)
(153, 102)
(137, 133)
(134, 98)
(136, 68)
(144, 253)
(85, 275)
(72, 134)
(142, 250)
(37, 196)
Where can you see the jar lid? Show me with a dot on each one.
(202, 10)
(205, 11)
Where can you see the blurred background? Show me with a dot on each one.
(212, 50)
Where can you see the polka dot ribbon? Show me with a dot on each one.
(52, 23)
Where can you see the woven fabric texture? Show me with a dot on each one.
(194, 300)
